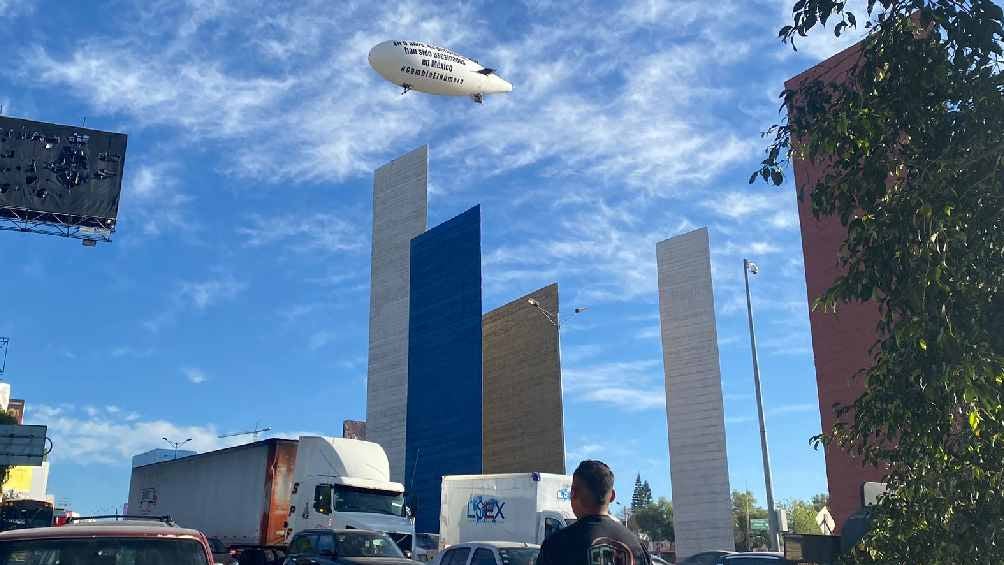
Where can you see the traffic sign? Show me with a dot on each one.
(759, 524)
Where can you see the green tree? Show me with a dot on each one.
(801, 517)
(637, 494)
(656, 520)
(744, 509)
(646, 494)
(913, 143)
(819, 501)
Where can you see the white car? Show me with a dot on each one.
(489, 553)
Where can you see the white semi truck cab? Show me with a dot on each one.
(345, 484)
(517, 507)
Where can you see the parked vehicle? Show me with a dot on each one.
(704, 558)
(345, 483)
(255, 496)
(344, 547)
(120, 541)
(517, 507)
(426, 547)
(754, 558)
(489, 553)
(18, 514)
(221, 553)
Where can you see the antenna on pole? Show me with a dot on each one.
(252, 432)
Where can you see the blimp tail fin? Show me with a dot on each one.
(486, 71)
(479, 98)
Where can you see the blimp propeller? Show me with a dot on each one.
(423, 67)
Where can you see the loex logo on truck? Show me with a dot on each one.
(484, 509)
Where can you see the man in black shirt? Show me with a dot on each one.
(595, 538)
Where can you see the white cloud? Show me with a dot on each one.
(777, 411)
(203, 294)
(316, 232)
(627, 385)
(110, 439)
(153, 199)
(321, 339)
(11, 8)
(125, 351)
(195, 375)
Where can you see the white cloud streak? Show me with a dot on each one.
(195, 375)
(86, 437)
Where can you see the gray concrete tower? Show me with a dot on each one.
(702, 505)
(400, 212)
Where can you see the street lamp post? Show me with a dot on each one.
(177, 444)
(773, 537)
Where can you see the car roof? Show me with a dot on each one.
(741, 554)
(496, 544)
(90, 530)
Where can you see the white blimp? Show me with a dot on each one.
(427, 68)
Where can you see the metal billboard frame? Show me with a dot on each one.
(23, 445)
(29, 221)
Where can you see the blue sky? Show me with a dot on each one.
(236, 289)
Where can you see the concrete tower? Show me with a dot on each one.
(400, 209)
(522, 378)
(702, 504)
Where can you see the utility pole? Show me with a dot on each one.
(772, 539)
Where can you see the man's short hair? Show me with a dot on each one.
(597, 478)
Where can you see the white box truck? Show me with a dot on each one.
(518, 507)
(259, 494)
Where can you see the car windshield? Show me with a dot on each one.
(103, 551)
(520, 556)
(352, 499)
(427, 541)
(365, 544)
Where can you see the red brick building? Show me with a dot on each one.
(840, 341)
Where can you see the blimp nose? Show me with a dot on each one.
(381, 57)
(497, 84)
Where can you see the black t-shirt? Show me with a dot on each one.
(593, 540)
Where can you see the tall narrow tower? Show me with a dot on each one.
(400, 212)
(702, 504)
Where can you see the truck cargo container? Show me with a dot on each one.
(246, 496)
(518, 507)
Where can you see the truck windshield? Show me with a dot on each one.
(353, 499)
(99, 551)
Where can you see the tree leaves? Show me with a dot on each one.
(914, 145)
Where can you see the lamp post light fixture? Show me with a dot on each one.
(773, 540)
(553, 318)
(177, 444)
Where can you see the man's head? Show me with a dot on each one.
(592, 489)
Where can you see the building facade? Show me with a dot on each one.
(400, 208)
(522, 409)
(444, 394)
(840, 341)
(702, 500)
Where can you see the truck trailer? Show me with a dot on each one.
(517, 507)
(259, 494)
